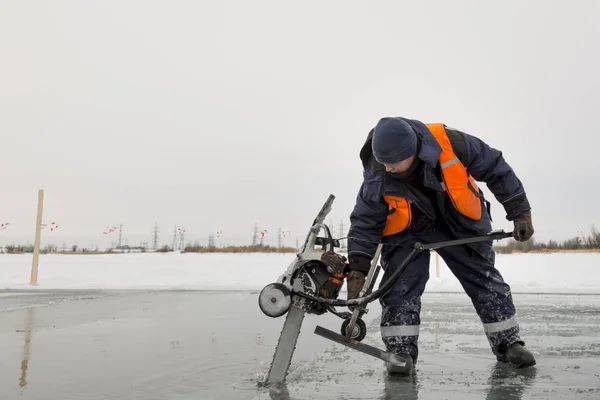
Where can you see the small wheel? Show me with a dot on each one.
(275, 300)
(359, 331)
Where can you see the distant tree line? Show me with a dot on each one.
(589, 242)
(239, 249)
(15, 249)
(50, 248)
(195, 248)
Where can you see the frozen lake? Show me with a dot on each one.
(217, 345)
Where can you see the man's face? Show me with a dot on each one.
(400, 166)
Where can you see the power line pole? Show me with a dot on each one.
(155, 241)
(174, 244)
(181, 238)
(255, 235)
(120, 236)
(342, 233)
(279, 237)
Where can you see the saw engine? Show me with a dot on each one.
(322, 277)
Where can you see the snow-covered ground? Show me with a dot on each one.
(526, 273)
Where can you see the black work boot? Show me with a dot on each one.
(518, 356)
(403, 366)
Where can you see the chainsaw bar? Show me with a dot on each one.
(362, 347)
(286, 345)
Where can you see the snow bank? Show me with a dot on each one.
(526, 273)
(574, 273)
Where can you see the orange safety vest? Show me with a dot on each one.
(460, 186)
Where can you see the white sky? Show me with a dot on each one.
(217, 115)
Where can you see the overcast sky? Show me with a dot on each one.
(217, 115)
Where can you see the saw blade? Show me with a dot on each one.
(286, 345)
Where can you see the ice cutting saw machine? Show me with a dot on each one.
(311, 285)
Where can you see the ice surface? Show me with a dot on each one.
(185, 345)
(526, 273)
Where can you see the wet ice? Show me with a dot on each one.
(168, 344)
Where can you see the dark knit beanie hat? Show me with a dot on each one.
(394, 140)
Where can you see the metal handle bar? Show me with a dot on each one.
(418, 247)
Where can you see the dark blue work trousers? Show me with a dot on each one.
(482, 282)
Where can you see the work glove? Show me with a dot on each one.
(359, 268)
(523, 227)
(355, 281)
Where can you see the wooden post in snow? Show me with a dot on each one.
(38, 233)
(437, 264)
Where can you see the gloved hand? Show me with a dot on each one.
(359, 268)
(355, 281)
(523, 227)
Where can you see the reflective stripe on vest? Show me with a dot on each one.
(458, 184)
